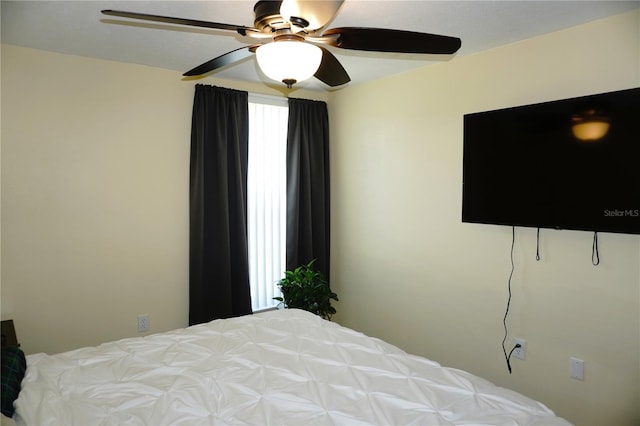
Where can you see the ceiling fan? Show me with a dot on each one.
(288, 39)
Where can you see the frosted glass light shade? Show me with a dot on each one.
(289, 61)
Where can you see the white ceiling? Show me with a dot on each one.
(78, 28)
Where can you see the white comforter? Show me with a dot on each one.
(280, 367)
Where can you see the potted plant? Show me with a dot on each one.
(306, 288)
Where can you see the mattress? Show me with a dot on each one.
(278, 367)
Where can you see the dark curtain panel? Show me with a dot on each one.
(308, 184)
(219, 266)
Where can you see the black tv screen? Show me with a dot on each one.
(568, 164)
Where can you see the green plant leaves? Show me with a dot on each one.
(306, 288)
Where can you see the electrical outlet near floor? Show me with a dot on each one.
(143, 323)
(519, 352)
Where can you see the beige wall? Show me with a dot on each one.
(95, 171)
(407, 270)
(94, 197)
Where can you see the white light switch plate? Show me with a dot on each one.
(576, 368)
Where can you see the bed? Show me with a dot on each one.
(279, 367)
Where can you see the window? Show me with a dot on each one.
(267, 198)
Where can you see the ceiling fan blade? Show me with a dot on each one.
(317, 13)
(222, 60)
(331, 71)
(180, 21)
(383, 40)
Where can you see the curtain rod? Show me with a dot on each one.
(268, 99)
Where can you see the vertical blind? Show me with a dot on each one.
(266, 201)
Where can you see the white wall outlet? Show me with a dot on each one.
(143, 323)
(576, 368)
(519, 352)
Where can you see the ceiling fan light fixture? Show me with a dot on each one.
(295, 27)
(289, 61)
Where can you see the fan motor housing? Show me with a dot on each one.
(267, 15)
(268, 18)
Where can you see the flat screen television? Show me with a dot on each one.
(567, 164)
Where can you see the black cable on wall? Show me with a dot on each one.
(507, 357)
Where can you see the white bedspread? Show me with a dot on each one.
(280, 367)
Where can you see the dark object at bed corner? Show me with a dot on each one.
(9, 334)
(14, 365)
